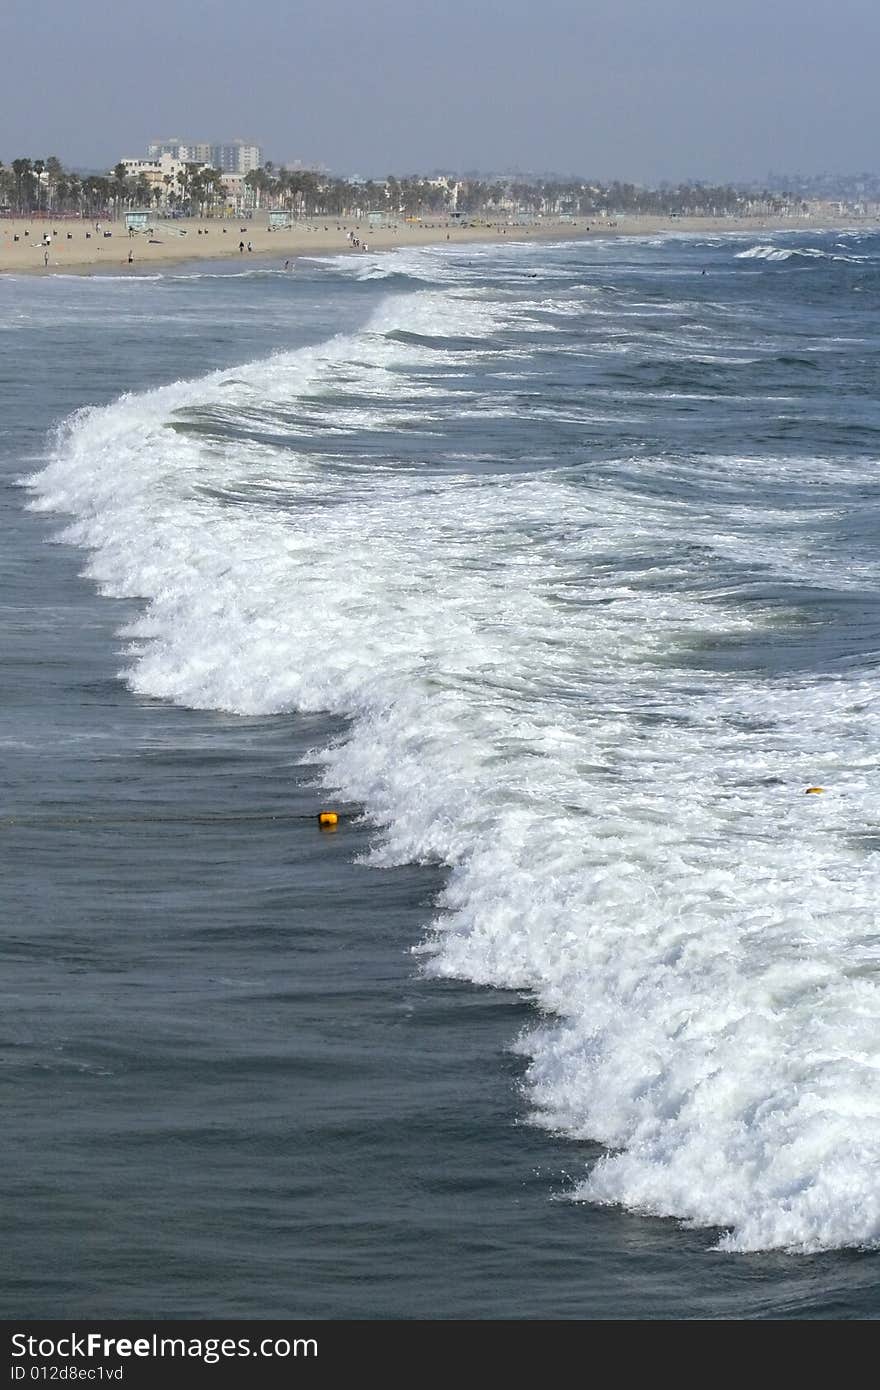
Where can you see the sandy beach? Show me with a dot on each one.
(77, 246)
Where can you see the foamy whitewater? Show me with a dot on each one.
(580, 543)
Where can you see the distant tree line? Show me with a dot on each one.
(309, 194)
(35, 186)
(44, 186)
(830, 187)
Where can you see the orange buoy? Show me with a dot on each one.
(813, 790)
(328, 820)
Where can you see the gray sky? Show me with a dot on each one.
(637, 89)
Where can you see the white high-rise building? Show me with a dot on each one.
(234, 157)
(199, 153)
(170, 147)
(237, 157)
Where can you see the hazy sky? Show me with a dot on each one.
(638, 89)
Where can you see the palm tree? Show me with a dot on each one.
(207, 187)
(74, 191)
(196, 193)
(7, 187)
(392, 195)
(39, 166)
(97, 193)
(23, 173)
(252, 181)
(54, 172)
(308, 191)
(259, 183)
(119, 187)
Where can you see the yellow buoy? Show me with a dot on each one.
(813, 790)
(328, 820)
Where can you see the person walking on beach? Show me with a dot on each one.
(130, 258)
(241, 247)
(46, 258)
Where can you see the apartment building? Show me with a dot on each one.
(234, 157)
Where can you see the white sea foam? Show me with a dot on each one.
(785, 253)
(627, 840)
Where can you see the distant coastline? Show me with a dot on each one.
(78, 246)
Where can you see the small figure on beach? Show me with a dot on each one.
(130, 258)
(287, 265)
(45, 258)
(241, 247)
(250, 248)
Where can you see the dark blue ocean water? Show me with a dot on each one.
(555, 567)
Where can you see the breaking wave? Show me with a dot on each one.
(626, 833)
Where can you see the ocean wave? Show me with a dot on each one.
(134, 277)
(788, 253)
(627, 841)
(394, 268)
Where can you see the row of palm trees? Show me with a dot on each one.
(34, 186)
(308, 194)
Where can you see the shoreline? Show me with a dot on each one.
(84, 248)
